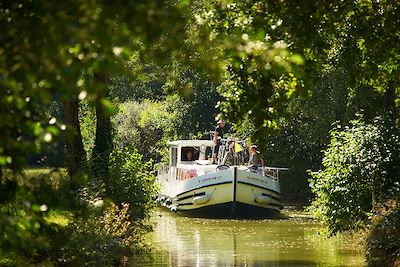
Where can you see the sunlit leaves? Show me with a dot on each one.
(359, 173)
(257, 61)
(131, 181)
(53, 49)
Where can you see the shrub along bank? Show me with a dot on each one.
(41, 223)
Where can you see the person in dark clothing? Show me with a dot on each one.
(218, 135)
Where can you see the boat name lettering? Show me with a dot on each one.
(210, 179)
(257, 179)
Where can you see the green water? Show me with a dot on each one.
(295, 241)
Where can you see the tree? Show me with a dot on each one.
(149, 125)
(359, 175)
(47, 51)
(262, 40)
(76, 160)
(46, 48)
(103, 141)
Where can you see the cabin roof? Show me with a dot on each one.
(191, 143)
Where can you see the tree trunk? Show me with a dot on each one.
(76, 155)
(103, 143)
(390, 98)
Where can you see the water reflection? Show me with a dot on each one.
(205, 242)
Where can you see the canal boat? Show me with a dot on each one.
(191, 185)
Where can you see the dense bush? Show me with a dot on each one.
(148, 125)
(106, 237)
(94, 231)
(383, 244)
(25, 233)
(360, 172)
(112, 232)
(131, 181)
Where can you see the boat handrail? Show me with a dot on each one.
(185, 174)
(229, 139)
(277, 168)
(162, 171)
(273, 172)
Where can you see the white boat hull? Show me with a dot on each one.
(230, 193)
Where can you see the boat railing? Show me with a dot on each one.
(273, 172)
(184, 174)
(170, 173)
(163, 171)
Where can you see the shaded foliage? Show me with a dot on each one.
(383, 243)
(349, 51)
(106, 236)
(25, 233)
(53, 50)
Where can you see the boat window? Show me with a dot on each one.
(173, 156)
(192, 153)
(189, 153)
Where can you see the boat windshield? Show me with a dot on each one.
(192, 153)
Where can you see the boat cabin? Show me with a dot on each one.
(188, 159)
(190, 152)
(192, 158)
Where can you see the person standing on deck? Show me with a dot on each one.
(218, 135)
(255, 159)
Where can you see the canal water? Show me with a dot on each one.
(294, 241)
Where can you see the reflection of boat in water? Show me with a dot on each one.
(192, 186)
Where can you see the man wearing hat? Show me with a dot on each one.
(218, 135)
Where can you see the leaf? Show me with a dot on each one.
(52, 129)
(109, 107)
(297, 59)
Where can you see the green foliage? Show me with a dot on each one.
(130, 181)
(87, 119)
(54, 50)
(198, 94)
(25, 233)
(107, 237)
(259, 68)
(145, 81)
(149, 125)
(383, 243)
(346, 47)
(40, 222)
(304, 132)
(294, 147)
(360, 170)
